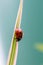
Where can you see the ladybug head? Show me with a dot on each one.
(19, 34)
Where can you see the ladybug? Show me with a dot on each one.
(19, 34)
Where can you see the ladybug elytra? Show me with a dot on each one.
(19, 34)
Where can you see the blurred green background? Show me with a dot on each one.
(32, 26)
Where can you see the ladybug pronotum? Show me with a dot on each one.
(19, 34)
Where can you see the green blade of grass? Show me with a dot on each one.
(12, 52)
(13, 47)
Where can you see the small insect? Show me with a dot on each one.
(19, 34)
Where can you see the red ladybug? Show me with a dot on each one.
(19, 34)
